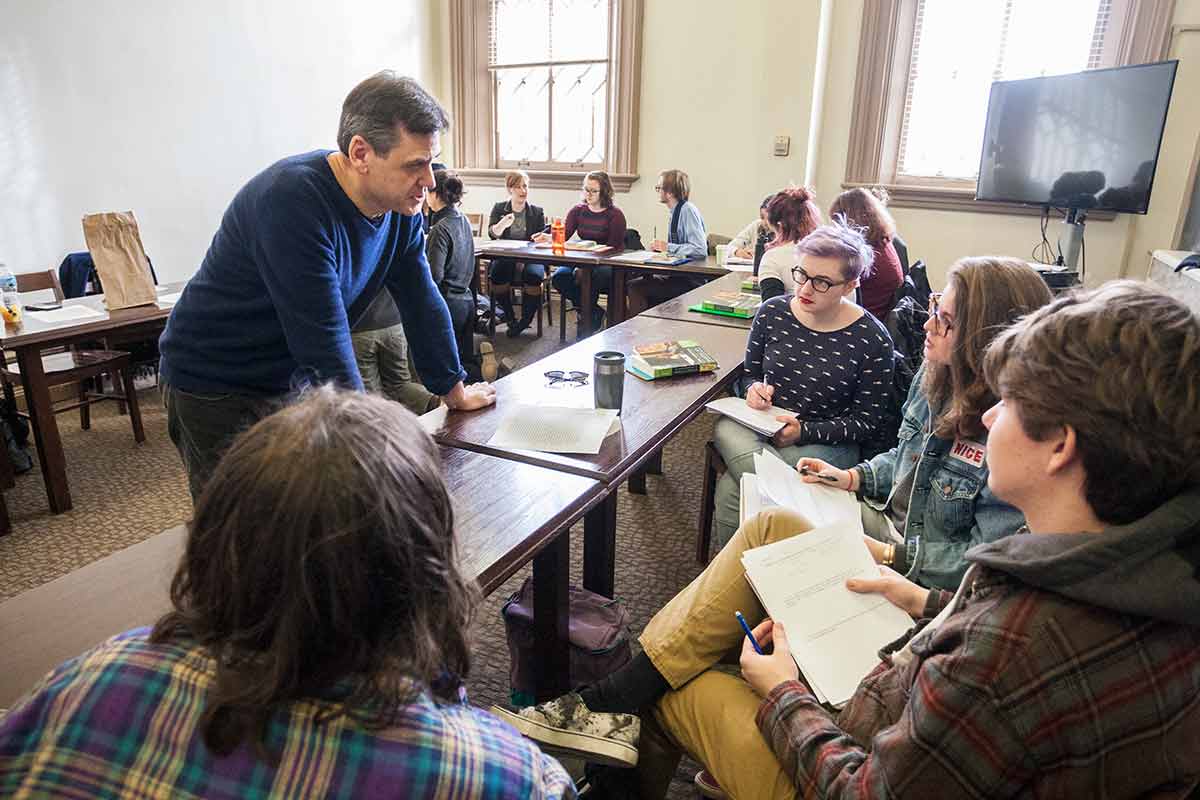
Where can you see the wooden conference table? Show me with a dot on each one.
(677, 309)
(32, 336)
(51, 623)
(653, 411)
(486, 248)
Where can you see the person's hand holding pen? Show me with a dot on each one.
(765, 671)
(814, 470)
(542, 236)
(759, 395)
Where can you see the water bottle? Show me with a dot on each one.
(10, 301)
(558, 237)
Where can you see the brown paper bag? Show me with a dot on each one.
(116, 247)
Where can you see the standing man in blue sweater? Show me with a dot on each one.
(302, 251)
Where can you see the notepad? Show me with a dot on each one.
(551, 429)
(834, 633)
(819, 504)
(67, 314)
(168, 299)
(505, 244)
(763, 422)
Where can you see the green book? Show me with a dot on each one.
(750, 284)
(667, 359)
(737, 304)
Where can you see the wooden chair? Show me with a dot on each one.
(541, 290)
(714, 467)
(78, 367)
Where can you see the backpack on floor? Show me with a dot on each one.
(598, 631)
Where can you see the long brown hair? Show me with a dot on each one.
(322, 553)
(867, 209)
(606, 186)
(990, 293)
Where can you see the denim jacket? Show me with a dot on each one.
(951, 508)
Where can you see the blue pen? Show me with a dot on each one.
(749, 635)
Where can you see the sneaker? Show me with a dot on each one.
(707, 785)
(567, 726)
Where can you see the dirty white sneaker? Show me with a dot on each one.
(487, 367)
(567, 726)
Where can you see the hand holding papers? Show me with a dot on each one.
(555, 430)
(763, 422)
(834, 634)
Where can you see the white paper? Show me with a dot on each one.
(820, 505)
(834, 633)
(636, 256)
(751, 500)
(552, 429)
(168, 299)
(66, 314)
(504, 244)
(737, 409)
(732, 259)
(739, 266)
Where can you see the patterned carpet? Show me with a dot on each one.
(124, 492)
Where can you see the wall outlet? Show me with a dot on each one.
(782, 145)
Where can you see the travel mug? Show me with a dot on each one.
(609, 383)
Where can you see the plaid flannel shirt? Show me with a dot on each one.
(121, 720)
(1019, 693)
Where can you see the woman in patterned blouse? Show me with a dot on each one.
(819, 357)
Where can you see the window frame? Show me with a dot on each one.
(473, 103)
(1138, 32)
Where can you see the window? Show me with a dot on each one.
(548, 86)
(926, 66)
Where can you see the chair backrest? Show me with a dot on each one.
(476, 220)
(38, 281)
(715, 239)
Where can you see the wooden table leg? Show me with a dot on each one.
(45, 429)
(551, 618)
(616, 297)
(600, 546)
(652, 466)
(583, 277)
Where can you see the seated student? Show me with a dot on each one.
(936, 505)
(791, 215)
(748, 237)
(815, 353)
(381, 351)
(686, 236)
(597, 219)
(316, 647)
(869, 210)
(516, 219)
(450, 248)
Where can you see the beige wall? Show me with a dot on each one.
(714, 97)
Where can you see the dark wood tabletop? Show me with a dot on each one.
(32, 331)
(653, 411)
(576, 258)
(677, 308)
(506, 511)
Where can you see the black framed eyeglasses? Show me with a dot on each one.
(564, 379)
(591, 191)
(819, 284)
(943, 323)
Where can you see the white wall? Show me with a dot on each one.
(719, 82)
(167, 108)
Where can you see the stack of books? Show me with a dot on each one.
(667, 359)
(731, 304)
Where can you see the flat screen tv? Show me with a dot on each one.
(1088, 140)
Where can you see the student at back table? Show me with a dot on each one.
(325, 659)
(686, 236)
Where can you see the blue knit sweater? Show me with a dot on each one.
(292, 266)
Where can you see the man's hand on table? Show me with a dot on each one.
(470, 398)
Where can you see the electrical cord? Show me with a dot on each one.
(1043, 253)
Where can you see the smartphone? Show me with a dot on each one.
(44, 306)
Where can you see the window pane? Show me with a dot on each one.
(960, 48)
(580, 29)
(523, 114)
(520, 31)
(580, 112)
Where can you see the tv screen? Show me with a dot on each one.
(1087, 140)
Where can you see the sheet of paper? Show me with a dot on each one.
(168, 299)
(505, 244)
(739, 266)
(835, 634)
(553, 429)
(635, 256)
(732, 259)
(751, 500)
(764, 422)
(820, 505)
(67, 314)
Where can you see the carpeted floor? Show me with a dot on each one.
(124, 493)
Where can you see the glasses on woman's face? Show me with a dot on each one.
(658, 187)
(559, 379)
(943, 323)
(590, 192)
(819, 284)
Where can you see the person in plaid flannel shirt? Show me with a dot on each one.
(316, 648)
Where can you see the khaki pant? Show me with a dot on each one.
(711, 714)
